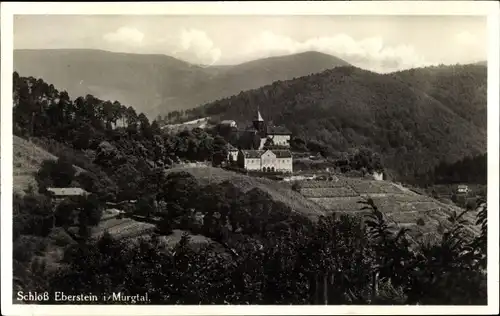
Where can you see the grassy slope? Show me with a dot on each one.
(27, 159)
(279, 191)
(157, 83)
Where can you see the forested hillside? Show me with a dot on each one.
(461, 88)
(412, 126)
(158, 84)
(85, 131)
(467, 170)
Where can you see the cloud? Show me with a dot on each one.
(197, 47)
(469, 47)
(369, 53)
(125, 35)
(465, 38)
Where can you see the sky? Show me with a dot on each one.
(377, 43)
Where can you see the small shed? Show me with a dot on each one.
(463, 189)
(228, 123)
(62, 193)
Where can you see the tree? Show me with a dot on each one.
(65, 213)
(296, 186)
(365, 158)
(240, 160)
(179, 192)
(269, 143)
(145, 206)
(298, 144)
(89, 213)
(255, 142)
(219, 153)
(145, 126)
(99, 184)
(58, 173)
(32, 215)
(127, 178)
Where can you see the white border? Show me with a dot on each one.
(484, 8)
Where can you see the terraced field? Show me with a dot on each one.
(123, 228)
(424, 215)
(329, 192)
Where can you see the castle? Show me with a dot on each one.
(272, 151)
(279, 135)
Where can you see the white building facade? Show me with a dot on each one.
(232, 153)
(280, 136)
(267, 160)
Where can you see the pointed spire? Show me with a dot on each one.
(259, 117)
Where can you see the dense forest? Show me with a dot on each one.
(463, 89)
(263, 252)
(467, 170)
(413, 126)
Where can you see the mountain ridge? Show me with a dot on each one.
(157, 84)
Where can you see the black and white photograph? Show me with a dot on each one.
(228, 158)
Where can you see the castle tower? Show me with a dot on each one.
(258, 122)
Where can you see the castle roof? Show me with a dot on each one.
(258, 153)
(253, 153)
(228, 122)
(67, 191)
(231, 147)
(258, 118)
(277, 130)
(282, 153)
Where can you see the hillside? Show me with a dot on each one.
(279, 192)
(461, 88)
(27, 159)
(157, 84)
(425, 216)
(347, 107)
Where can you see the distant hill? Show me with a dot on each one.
(415, 119)
(157, 84)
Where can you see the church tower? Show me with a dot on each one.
(258, 122)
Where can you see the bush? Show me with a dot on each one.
(60, 238)
(26, 246)
(296, 186)
(471, 204)
(165, 227)
(59, 173)
(420, 222)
